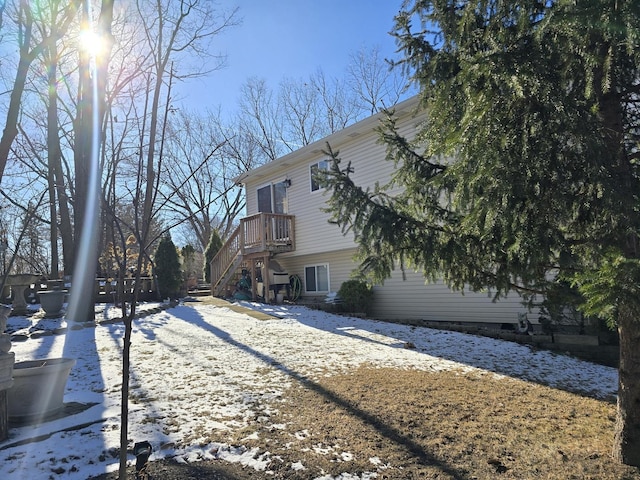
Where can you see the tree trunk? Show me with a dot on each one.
(11, 130)
(88, 128)
(53, 156)
(626, 447)
(82, 157)
(57, 181)
(65, 228)
(124, 399)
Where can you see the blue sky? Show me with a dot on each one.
(293, 38)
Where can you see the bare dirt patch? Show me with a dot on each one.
(440, 425)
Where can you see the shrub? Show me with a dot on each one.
(356, 296)
(167, 268)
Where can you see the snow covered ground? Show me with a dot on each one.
(199, 367)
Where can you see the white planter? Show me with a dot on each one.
(19, 283)
(52, 301)
(6, 370)
(38, 388)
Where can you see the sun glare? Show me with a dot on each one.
(91, 42)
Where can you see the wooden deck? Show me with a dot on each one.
(259, 236)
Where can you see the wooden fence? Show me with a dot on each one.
(105, 290)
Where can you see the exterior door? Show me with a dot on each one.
(279, 198)
(264, 199)
(272, 198)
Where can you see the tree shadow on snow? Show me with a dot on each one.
(421, 455)
(497, 356)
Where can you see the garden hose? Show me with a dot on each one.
(296, 287)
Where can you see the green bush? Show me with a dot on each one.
(356, 296)
(167, 268)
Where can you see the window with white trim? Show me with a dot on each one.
(314, 169)
(316, 278)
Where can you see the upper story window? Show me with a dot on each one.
(314, 169)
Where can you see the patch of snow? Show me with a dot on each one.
(200, 368)
(297, 466)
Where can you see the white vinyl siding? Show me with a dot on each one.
(340, 267)
(314, 233)
(320, 243)
(414, 300)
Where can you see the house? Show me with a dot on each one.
(286, 223)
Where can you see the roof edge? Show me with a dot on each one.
(338, 138)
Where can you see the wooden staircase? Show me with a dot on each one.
(257, 239)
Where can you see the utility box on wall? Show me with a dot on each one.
(278, 278)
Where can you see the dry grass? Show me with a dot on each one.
(444, 426)
(428, 425)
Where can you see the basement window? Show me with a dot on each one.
(316, 278)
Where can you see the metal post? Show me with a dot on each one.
(7, 360)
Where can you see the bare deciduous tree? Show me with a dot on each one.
(374, 85)
(338, 109)
(171, 30)
(302, 111)
(30, 46)
(259, 114)
(301, 121)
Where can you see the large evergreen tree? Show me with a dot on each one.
(526, 171)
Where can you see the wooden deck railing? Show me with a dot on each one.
(257, 234)
(225, 257)
(267, 232)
